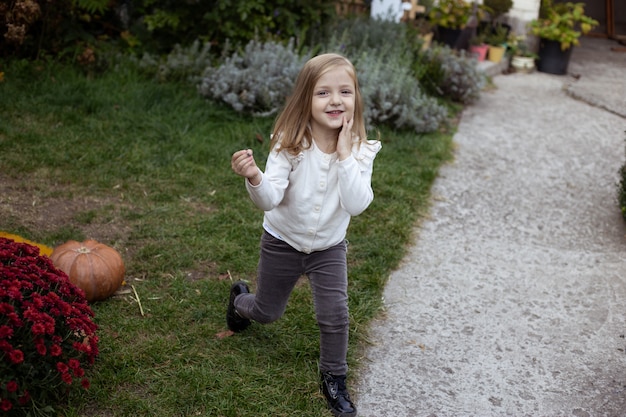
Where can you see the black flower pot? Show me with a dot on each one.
(448, 36)
(552, 59)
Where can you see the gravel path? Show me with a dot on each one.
(512, 300)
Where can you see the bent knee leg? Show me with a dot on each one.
(265, 317)
(249, 307)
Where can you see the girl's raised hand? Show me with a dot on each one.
(344, 142)
(243, 164)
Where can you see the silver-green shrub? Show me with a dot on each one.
(392, 95)
(455, 74)
(401, 85)
(258, 81)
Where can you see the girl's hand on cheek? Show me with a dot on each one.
(344, 142)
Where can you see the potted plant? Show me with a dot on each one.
(478, 47)
(559, 28)
(450, 17)
(497, 43)
(522, 57)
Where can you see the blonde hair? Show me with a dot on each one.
(292, 130)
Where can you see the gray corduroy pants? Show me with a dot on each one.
(280, 267)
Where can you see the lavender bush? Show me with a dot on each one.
(257, 81)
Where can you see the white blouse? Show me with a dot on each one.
(309, 198)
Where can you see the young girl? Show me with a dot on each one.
(317, 176)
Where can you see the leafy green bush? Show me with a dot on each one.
(39, 28)
(66, 28)
(160, 24)
(183, 63)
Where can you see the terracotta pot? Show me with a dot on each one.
(479, 51)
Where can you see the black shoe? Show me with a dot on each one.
(234, 321)
(336, 393)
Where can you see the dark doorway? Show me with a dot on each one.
(612, 17)
(619, 19)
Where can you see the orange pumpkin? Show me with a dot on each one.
(93, 267)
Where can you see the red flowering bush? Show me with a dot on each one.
(47, 335)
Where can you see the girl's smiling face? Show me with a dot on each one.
(333, 99)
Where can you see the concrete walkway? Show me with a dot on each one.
(512, 300)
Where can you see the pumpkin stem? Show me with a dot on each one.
(83, 249)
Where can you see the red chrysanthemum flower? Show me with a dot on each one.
(73, 364)
(62, 368)
(38, 329)
(67, 378)
(55, 350)
(5, 332)
(5, 346)
(6, 308)
(6, 405)
(16, 356)
(40, 346)
(12, 386)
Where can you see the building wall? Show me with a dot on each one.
(387, 9)
(522, 12)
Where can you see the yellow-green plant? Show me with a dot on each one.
(451, 14)
(562, 22)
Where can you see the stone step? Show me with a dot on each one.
(492, 69)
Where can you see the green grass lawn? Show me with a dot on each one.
(145, 167)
